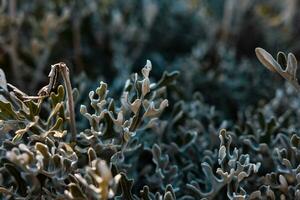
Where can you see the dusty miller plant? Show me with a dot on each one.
(44, 156)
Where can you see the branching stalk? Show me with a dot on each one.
(70, 102)
(61, 68)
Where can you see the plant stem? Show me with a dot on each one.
(70, 102)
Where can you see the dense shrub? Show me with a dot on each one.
(202, 120)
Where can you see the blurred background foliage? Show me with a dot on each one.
(221, 83)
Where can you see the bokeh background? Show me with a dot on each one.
(211, 42)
